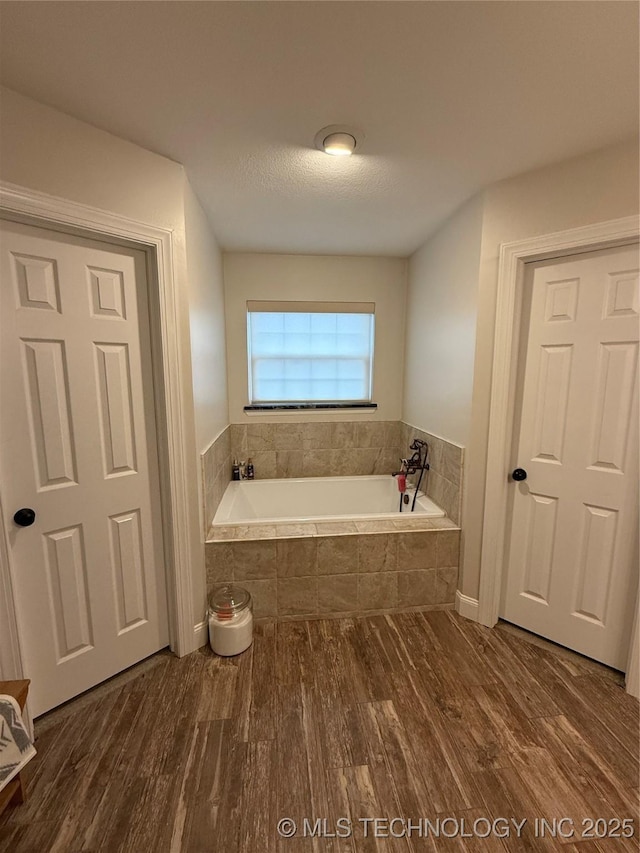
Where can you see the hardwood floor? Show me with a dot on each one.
(412, 716)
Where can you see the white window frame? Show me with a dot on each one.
(311, 307)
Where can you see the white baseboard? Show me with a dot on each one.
(201, 631)
(467, 606)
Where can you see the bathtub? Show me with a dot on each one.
(318, 499)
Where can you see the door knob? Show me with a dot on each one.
(24, 517)
(519, 474)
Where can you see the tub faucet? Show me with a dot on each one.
(417, 462)
(404, 468)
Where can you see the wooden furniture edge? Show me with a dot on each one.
(15, 792)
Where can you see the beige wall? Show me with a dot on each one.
(206, 316)
(593, 188)
(208, 351)
(319, 277)
(45, 150)
(442, 305)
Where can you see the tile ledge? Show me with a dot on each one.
(386, 526)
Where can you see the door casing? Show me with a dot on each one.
(511, 278)
(178, 507)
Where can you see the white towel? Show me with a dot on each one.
(16, 748)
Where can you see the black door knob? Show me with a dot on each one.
(24, 517)
(519, 474)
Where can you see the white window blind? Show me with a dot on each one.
(298, 355)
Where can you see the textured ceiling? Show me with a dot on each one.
(451, 96)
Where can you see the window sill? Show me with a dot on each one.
(310, 407)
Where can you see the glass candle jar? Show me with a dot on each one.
(230, 620)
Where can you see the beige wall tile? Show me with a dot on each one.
(316, 436)
(451, 468)
(371, 434)
(377, 552)
(316, 463)
(387, 461)
(220, 449)
(243, 531)
(417, 587)
(413, 522)
(343, 434)
(445, 474)
(362, 461)
(253, 560)
(405, 435)
(448, 547)
(443, 523)
(219, 562)
(223, 531)
(341, 462)
(335, 528)
(377, 591)
(435, 487)
(258, 531)
(436, 446)
(255, 531)
(393, 435)
(297, 557)
(264, 464)
(374, 447)
(208, 486)
(417, 550)
(337, 594)
(386, 526)
(260, 436)
(337, 554)
(219, 487)
(264, 597)
(238, 440)
(288, 436)
(216, 473)
(446, 585)
(451, 500)
(289, 463)
(302, 529)
(297, 596)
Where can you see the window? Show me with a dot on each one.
(310, 352)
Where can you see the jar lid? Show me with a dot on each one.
(228, 600)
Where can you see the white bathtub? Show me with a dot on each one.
(318, 499)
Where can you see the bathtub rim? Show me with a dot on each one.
(319, 519)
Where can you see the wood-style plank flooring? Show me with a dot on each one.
(411, 716)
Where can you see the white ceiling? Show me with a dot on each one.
(451, 96)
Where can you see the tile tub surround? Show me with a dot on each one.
(348, 448)
(314, 571)
(318, 449)
(215, 464)
(446, 464)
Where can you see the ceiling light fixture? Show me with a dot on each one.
(340, 144)
(337, 140)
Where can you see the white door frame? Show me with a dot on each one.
(513, 257)
(49, 211)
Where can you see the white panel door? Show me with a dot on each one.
(572, 543)
(78, 446)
